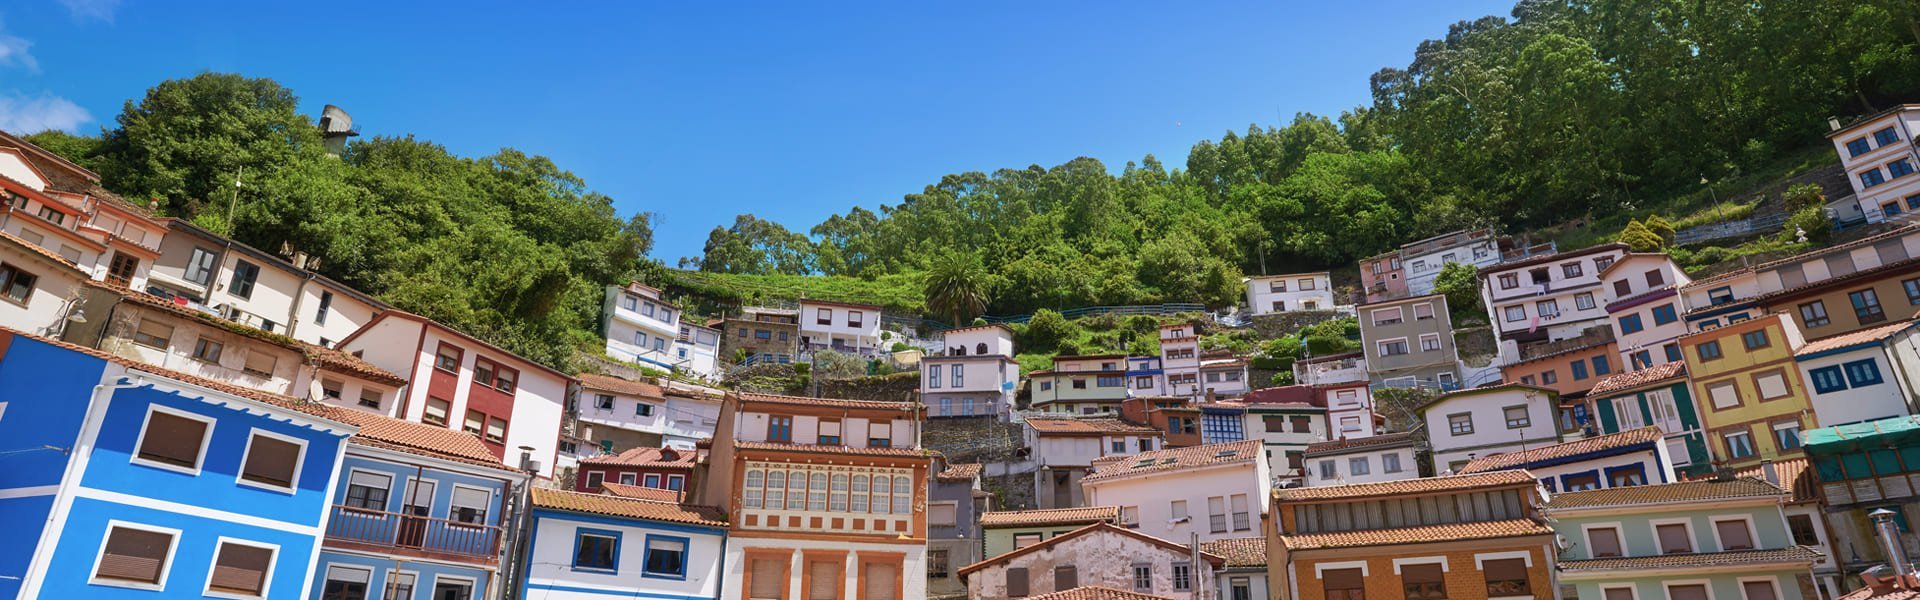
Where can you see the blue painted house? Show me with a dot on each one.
(608, 545)
(420, 513)
(119, 479)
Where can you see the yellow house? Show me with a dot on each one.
(1752, 401)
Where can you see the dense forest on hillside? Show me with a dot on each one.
(1565, 109)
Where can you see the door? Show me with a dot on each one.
(1663, 412)
(414, 514)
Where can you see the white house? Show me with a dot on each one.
(586, 546)
(621, 414)
(258, 289)
(1145, 378)
(975, 375)
(1350, 411)
(1424, 259)
(1268, 294)
(1371, 459)
(1223, 377)
(1245, 575)
(1215, 490)
(1333, 369)
(1878, 153)
(1287, 420)
(697, 350)
(1097, 561)
(1064, 450)
(1546, 298)
(1643, 301)
(1629, 458)
(59, 206)
(1862, 376)
(39, 286)
(1485, 421)
(839, 326)
(692, 413)
(1180, 359)
(641, 326)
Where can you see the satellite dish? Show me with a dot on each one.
(314, 391)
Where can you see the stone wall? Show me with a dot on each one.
(1280, 324)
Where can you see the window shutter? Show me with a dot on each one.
(240, 569)
(1687, 592)
(172, 439)
(882, 580)
(1733, 535)
(1619, 594)
(135, 555)
(1065, 578)
(1606, 541)
(769, 583)
(823, 580)
(1673, 539)
(1016, 582)
(1758, 590)
(271, 461)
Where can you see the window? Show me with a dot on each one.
(1827, 379)
(933, 376)
(1146, 444)
(1390, 463)
(207, 350)
(1580, 482)
(855, 319)
(436, 412)
(960, 376)
(1182, 577)
(1143, 578)
(880, 434)
(469, 505)
(1017, 578)
(1858, 147)
(345, 583)
(1601, 366)
(1622, 288)
(1423, 581)
(666, 557)
(1755, 340)
(135, 556)
(496, 430)
(1242, 520)
(1872, 177)
(368, 491)
(1630, 324)
(1393, 347)
(1517, 417)
(260, 364)
(1514, 313)
(1579, 368)
(1570, 270)
(1603, 542)
(1734, 534)
(1709, 350)
(1547, 309)
(447, 358)
(1079, 384)
(1866, 306)
(1429, 342)
(1900, 168)
(936, 564)
(780, 428)
(830, 433)
(1065, 577)
(1804, 532)
(1343, 584)
(1386, 316)
(1739, 444)
(1786, 436)
(240, 569)
(1509, 281)
(1814, 313)
(1301, 424)
(173, 440)
(1022, 540)
(1885, 136)
(1423, 311)
(244, 275)
(1276, 286)
(1583, 300)
(1724, 394)
(596, 549)
(1664, 314)
(942, 514)
(200, 266)
(1771, 385)
(272, 460)
(1506, 577)
(1758, 589)
(1460, 424)
(1862, 372)
(1359, 465)
(153, 334)
(1549, 377)
(1326, 469)
(326, 304)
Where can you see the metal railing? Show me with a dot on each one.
(424, 534)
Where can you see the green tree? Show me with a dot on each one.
(1460, 283)
(956, 286)
(1660, 227)
(188, 140)
(1046, 331)
(1639, 238)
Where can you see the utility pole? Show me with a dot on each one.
(235, 198)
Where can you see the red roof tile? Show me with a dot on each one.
(832, 402)
(1092, 592)
(1638, 379)
(1416, 535)
(1291, 394)
(1644, 436)
(817, 449)
(1051, 516)
(653, 458)
(1239, 552)
(1854, 338)
(1343, 446)
(960, 472)
(1794, 476)
(1797, 555)
(1179, 459)
(643, 493)
(1699, 490)
(1424, 485)
(620, 386)
(633, 508)
(1069, 426)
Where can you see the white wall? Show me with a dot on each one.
(553, 553)
(1154, 495)
(1654, 464)
(623, 415)
(1376, 471)
(346, 313)
(1856, 404)
(15, 167)
(1490, 433)
(689, 420)
(46, 306)
(1299, 290)
(998, 341)
(839, 323)
(980, 375)
(752, 427)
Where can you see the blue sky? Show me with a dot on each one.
(698, 111)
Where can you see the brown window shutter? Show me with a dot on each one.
(271, 461)
(769, 580)
(1733, 535)
(1343, 579)
(882, 581)
(1687, 592)
(1065, 578)
(241, 569)
(172, 439)
(823, 580)
(1016, 582)
(135, 555)
(1606, 541)
(1673, 539)
(1758, 590)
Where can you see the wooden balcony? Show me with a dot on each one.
(408, 535)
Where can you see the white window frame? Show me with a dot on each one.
(473, 585)
(453, 495)
(589, 475)
(206, 438)
(1632, 590)
(1666, 587)
(392, 574)
(1379, 318)
(1693, 541)
(101, 554)
(1420, 560)
(1752, 533)
(1436, 342)
(1741, 583)
(1379, 347)
(299, 462)
(1619, 537)
(266, 581)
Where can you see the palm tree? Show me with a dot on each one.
(956, 286)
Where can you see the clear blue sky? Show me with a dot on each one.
(698, 111)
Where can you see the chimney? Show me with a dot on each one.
(1890, 544)
(1833, 123)
(1772, 472)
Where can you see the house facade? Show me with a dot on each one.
(458, 382)
(1485, 421)
(1244, 575)
(1372, 459)
(1712, 538)
(1223, 376)
(955, 501)
(1409, 342)
(859, 522)
(1098, 555)
(1625, 459)
(1214, 490)
(697, 350)
(1064, 451)
(621, 414)
(1866, 375)
(641, 326)
(252, 287)
(1285, 427)
(760, 335)
(1269, 294)
(1858, 469)
(975, 377)
(1382, 278)
(168, 483)
(1643, 301)
(1424, 259)
(59, 207)
(667, 469)
(1829, 291)
(583, 546)
(1145, 377)
(1662, 397)
(1485, 540)
(1548, 297)
(1006, 531)
(39, 287)
(842, 327)
(1752, 401)
(693, 411)
(1878, 153)
(1180, 358)
(1082, 385)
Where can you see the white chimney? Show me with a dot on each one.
(1890, 542)
(1833, 123)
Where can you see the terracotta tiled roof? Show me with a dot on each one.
(653, 458)
(833, 402)
(1636, 379)
(1086, 426)
(959, 472)
(817, 449)
(1703, 490)
(1239, 552)
(1794, 478)
(620, 386)
(419, 438)
(1291, 395)
(1096, 528)
(341, 362)
(1855, 338)
(640, 492)
(323, 357)
(1096, 593)
(1790, 554)
(1646, 436)
(633, 508)
(1052, 516)
(1179, 459)
(1416, 535)
(1424, 485)
(1358, 444)
(36, 249)
(1504, 387)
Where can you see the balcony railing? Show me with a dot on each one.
(407, 533)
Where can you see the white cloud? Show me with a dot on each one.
(13, 51)
(92, 9)
(24, 114)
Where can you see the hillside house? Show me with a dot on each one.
(1065, 450)
(252, 287)
(843, 327)
(1643, 301)
(1753, 401)
(1712, 538)
(1866, 375)
(760, 335)
(1081, 385)
(1878, 153)
(1166, 493)
(975, 376)
(1485, 421)
(58, 206)
(1660, 396)
(1409, 342)
(1546, 298)
(640, 326)
(1629, 458)
(1269, 294)
(1100, 555)
(1371, 459)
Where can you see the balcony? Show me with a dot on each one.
(422, 537)
(836, 346)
